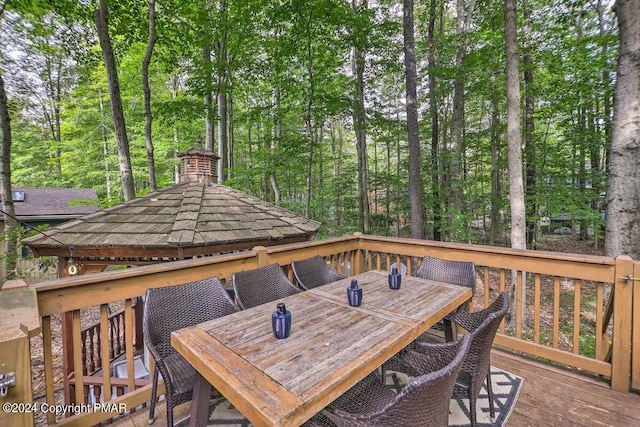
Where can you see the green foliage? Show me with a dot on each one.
(289, 63)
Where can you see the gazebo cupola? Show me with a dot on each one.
(198, 165)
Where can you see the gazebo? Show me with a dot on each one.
(196, 217)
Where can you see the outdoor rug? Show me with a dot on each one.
(506, 388)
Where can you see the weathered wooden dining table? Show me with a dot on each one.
(331, 346)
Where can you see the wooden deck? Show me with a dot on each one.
(550, 396)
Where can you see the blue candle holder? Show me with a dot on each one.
(354, 294)
(395, 279)
(281, 322)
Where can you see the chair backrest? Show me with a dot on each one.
(482, 326)
(425, 399)
(171, 308)
(313, 272)
(455, 272)
(262, 285)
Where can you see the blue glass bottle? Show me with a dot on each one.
(395, 278)
(281, 321)
(354, 294)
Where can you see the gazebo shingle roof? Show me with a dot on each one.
(193, 217)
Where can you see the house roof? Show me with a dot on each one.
(55, 203)
(179, 221)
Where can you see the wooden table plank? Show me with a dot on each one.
(418, 300)
(235, 378)
(331, 346)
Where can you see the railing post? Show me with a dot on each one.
(138, 309)
(67, 345)
(356, 268)
(262, 257)
(635, 346)
(622, 324)
(19, 322)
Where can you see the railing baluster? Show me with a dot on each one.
(48, 366)
(556, 311)
(77, 357)
(536, 308)
(576, 315)
(83, 340)
(599, 315)
(487, 288)
(378, 261)
(106, 349)
(519, 305)
(502, 288)
(92, 351)
(388, 267)
(128, 342)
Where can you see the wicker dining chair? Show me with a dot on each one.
(482, 326)
(455, 272)
(261, 285)
(313, 272)
(171, 308)
(424, 401)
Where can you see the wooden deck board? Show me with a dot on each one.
(554, 396)
(550, 396)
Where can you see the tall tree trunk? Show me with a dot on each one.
(11, 224)
(606, 79)
(496, 187)
(105, 146)
(209, 108)
(398, 158)
(309, 115)
(222, 136)
(222, 58)
(175, 84)
(457, 124)
(359, 121)
(514, 140)
(336, 154)
(623, 190)
(230, 135)
(530, 141)
(274, 147)
(148, 116)
(101, 18)
(463, 21)
(413, 132)
(433, 111)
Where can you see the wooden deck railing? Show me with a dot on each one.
(568, 309)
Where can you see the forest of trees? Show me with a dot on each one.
(373, 115)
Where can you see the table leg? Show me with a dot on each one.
(449, 330)
(200, 401)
